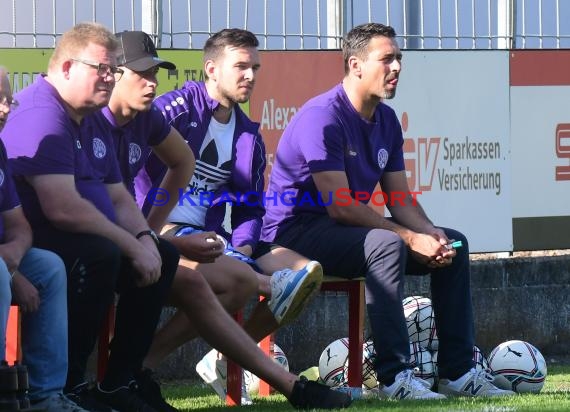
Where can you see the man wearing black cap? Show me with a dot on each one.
(131, 124)
(78, 207)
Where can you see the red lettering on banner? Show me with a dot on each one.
(420, 159)
(562, 139)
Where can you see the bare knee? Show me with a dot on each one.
(189, 286)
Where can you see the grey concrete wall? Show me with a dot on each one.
(515, 298)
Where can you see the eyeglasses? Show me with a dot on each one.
(103, 70)
(12, 103)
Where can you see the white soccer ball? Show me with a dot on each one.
(481, 362)
(279, 357)
(425, 367)
(369, 380)
(252, 381)
(518, 366)
(333, 364)
(420, 321)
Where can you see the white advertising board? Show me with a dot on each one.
(538, 115)
(454, 109)
(540, 140)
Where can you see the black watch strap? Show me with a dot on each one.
(150, 233)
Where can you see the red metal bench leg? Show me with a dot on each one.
(105, 336)
(355, 333)
(355, 290)
(13, 347)
(234, 376)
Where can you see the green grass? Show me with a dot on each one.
(555, 396)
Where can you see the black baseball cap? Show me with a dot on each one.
(137, 52)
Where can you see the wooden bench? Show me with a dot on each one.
(355, 291)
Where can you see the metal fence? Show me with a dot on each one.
(299, 24)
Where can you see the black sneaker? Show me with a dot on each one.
(82, 395)
(313, 395)
(149, 391)
(123, 399)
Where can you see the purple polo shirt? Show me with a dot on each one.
(41, 139)
(327, 134)
(8, 195)
(131, 141)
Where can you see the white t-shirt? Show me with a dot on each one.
(213, 169)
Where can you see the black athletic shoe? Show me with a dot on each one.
(123, 399)
(149, 391)
(313, 395)
(83, 396)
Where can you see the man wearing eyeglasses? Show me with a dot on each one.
(72, 193)
(35, 280)
(134, 127)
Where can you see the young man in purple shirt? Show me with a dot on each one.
(78, 207)
(134, 126)
(35, 280)
(337, 148)
(230, 162)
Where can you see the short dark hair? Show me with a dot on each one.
(216, 44)
(355, 43)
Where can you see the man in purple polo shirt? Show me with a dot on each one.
(35, 280)
(344, 142)
(229, 172)
(72, 193)
(132, 125)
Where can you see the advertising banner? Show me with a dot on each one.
(286, 80)
(24, 65)
(540, 129)
(455, 118)
(454, 112)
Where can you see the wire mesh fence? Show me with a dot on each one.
(299, 24)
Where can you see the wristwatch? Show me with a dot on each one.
(150, 233)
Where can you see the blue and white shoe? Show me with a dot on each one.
(291, 290)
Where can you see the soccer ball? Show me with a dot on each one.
(279, 357)
(333, 364)
(369, 380)
(252, 381)
(420, 321)
(481, 362)
(425, 367)
(518, 366)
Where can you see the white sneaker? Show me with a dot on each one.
(291, 290)
(407, 386)
(58, 403)
(213, 368)
(474, 383)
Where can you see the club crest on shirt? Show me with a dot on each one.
(135, 153)
(1, 177)
(382, 158)
(99, 148)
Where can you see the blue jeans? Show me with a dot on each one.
(44, 331)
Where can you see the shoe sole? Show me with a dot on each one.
(204, 372)
(456, 394)
(304, 291)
